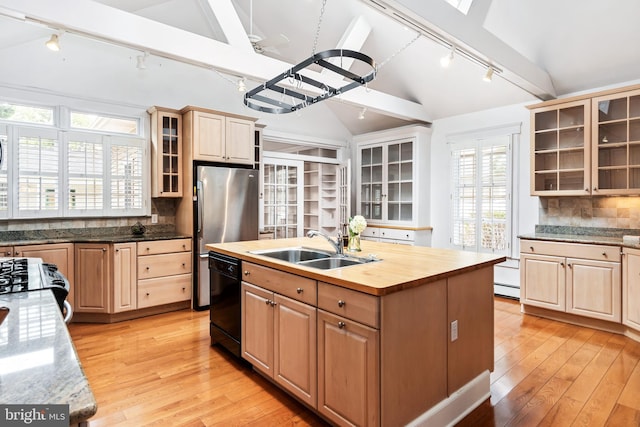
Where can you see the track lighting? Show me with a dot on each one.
(487, 77)
(446, 60)
(53, 43)
(361, 115)
(241, 86)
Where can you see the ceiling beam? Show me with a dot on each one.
(467, 31)
(95, 20)
(230, 23)
(353, 39)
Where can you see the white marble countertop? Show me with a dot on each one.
(38, 362)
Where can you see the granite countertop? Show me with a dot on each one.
(117, 238)
(595, 236)
(401, 266)
(38, 362)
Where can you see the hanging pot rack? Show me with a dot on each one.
(259, 100)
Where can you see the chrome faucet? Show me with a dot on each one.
(337, 244)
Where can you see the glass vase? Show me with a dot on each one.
(354, 243)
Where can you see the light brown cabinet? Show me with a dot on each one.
(93, 275)
(60, 254)
(278, 332)
(631, 288)
(560, 149)
(164, 272)
(616, 143)
(217, 137)
(580, 279)
(124, 277)
(166, 152)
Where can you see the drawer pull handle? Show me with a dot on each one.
(341, 303)
(341, 325)
(246, 272)
(299, 290)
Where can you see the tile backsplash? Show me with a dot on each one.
(608, 212)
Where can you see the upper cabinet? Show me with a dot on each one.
(217, 137)
(616, 143)
(166, 152)
(560, 155)
(391, 164)
(587, 145)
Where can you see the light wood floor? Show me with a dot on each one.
(161, 371)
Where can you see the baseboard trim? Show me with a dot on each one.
(457, 406)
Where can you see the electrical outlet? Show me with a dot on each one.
(454, 330)
(154, 218)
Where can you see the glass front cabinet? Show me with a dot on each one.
(560, 155)
(166, 152)
(391, 164)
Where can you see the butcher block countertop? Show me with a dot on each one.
(401, 266)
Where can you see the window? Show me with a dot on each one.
(283, 186)
(102, 123)
(27, 114)
(481, 194)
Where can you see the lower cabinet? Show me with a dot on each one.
(164, 272)
(118, 277)
(631, 288)
(348, 371)
(580, 279)
(279, 339)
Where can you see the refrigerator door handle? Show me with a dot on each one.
(199, 195)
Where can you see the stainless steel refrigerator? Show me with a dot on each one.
(226, 211)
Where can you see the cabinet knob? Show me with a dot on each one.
(562, 264)
(267, 302)
(147, 293)
(148, 268)
(531, 248)
(184, 289)
(341, 303)
(183, 265)
(9, 253)
(148, 249)
(604, 254)
(273, 303)
(595, 188)
(246, 272)
(570, 265)
(299, 290)
(117, 250)
(341, 325)
(184, 246)
(17, 253)
(586, 189)
(104, 249)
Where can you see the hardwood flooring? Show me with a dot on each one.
(161, 371)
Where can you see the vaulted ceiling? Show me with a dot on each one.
(539, 48)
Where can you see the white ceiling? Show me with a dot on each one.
(578, 44)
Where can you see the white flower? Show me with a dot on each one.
(357, 224)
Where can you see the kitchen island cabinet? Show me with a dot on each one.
(631, 288)
(386, 350)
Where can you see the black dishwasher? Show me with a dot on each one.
(225, 277)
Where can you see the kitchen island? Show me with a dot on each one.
(404, 340)
(39, 362)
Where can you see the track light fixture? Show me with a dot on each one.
(141, 61)
(241, 85)
(445, 61)
(361, 115)
(487, 77)
(53, 43)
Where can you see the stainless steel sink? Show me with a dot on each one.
(315, 258)
(335, 262)
(294, 255)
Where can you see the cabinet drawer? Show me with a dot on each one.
(397, 234)
(164, 246)
(296, 287)
(573, 250)
(354, 305)
(371, 232)
(164, 265)
(164, 290)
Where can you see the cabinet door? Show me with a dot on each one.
(543, 281)
(593, 289)
(615, 143)
(631, 288)
(166, 154)
(257, 327)
(348, 371)
(560, 149)
(294, 356)
(60, 254)
(93, 272)
(208, 137)
(240, 141)
(124, 277)
(6, 251)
